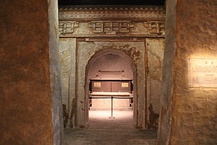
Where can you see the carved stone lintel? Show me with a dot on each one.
(111, 27)
(111, 12)
(96, 21)
(67, 27)
(155, 27)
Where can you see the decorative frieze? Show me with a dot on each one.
(114, 12)
(111, 27)
(111, 21)
(155, 27)
(67, 27)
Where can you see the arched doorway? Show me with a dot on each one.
(115, 63)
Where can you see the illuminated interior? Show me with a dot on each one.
(110, 88)
(98, 119)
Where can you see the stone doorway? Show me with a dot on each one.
(87, 34)
(131, 52)
(110, 62)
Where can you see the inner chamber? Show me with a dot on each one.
(110, 85)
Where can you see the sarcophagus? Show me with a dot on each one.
(111, 85)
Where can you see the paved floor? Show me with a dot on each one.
(103, 130)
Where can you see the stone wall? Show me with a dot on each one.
(155, 55)
(55, 81)
(28, 115)
(67, 52)
(188, 113)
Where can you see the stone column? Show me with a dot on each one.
(188, 102)
(30, 108)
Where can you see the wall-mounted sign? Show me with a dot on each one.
(202, 72)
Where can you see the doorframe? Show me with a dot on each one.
(135, 82)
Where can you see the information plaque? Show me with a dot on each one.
(202, 72)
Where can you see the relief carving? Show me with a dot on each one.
(67, 27)
(155, 27)
(111, 20)
(132, 12)
(65, 61)
(111, 27)
(73, 112)
(153, 118)
(65, 116)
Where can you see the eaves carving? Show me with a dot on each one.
(97, 21)
(109, 12)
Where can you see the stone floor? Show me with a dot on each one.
(103, 130)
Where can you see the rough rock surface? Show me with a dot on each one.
(188, 115)
(26, 91)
